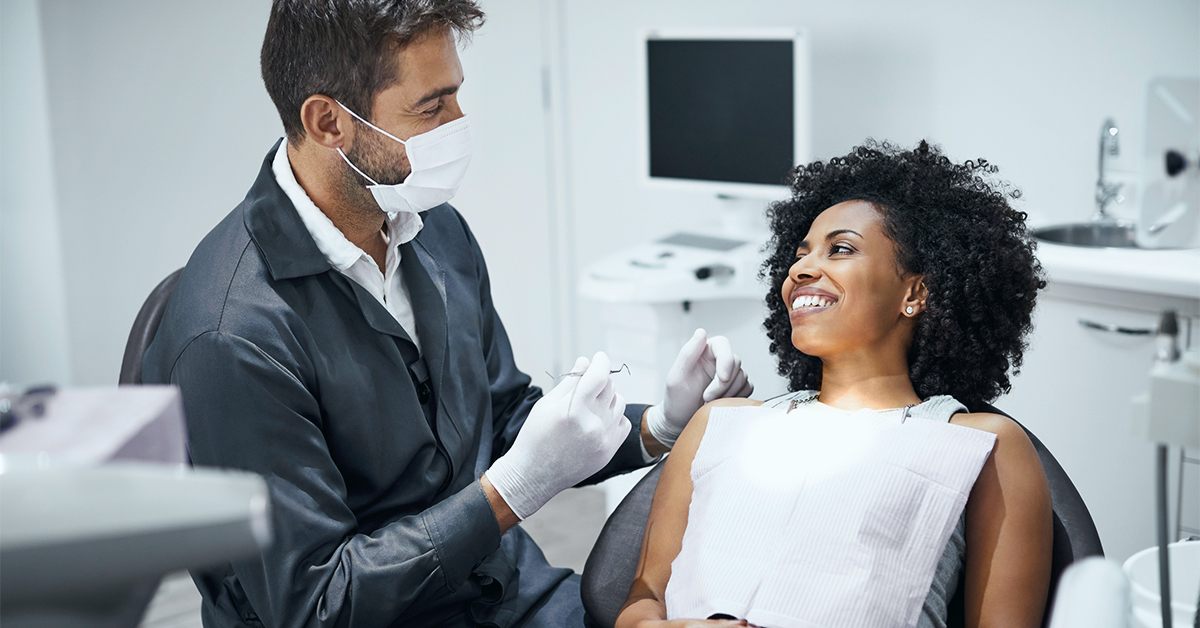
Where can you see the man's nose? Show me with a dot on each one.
(453, 109)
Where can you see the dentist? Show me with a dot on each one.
(336, 334)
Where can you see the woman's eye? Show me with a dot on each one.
(839, 249)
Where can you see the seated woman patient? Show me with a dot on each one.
(902, 291)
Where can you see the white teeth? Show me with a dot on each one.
(809, 300)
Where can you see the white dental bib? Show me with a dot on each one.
(822, 518)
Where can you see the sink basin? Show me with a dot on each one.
(1090, 234)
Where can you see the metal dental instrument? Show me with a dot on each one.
(623, 367)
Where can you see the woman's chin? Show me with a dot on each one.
(804, 341)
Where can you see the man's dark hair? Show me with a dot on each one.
(345, 49)
(951, 223)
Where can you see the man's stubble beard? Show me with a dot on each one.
(378, 157)
(370, 154)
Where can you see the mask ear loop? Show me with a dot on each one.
(360, 172)
(364, 121)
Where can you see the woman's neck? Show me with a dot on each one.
(871, 383)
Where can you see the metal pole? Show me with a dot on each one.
(1164, 569)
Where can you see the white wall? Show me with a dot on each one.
(507, 195)
(34, 344)
(160, 123)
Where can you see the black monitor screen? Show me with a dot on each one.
(721, 110)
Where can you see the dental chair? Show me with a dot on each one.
(144, 328)
(609, 570)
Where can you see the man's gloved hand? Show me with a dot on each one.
(570, 434)
(691, 384)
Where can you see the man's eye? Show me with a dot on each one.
(433, 111)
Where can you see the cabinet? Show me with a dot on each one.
(1074, 392)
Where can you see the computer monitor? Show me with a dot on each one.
(726, 111)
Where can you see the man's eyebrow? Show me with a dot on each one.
(436, 94)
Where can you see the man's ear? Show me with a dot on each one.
(326, 122)
(914, 299)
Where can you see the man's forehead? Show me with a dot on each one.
(428, 66)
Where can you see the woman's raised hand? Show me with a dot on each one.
(705, 369)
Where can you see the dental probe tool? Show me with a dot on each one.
(623, 367)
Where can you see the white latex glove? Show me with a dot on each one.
(703, 371)
(570, 434)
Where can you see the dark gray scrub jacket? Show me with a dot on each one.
(291, 370)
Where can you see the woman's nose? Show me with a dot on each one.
(805, 267)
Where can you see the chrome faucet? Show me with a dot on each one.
(1107, 191)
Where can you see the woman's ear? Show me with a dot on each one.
(914, 299)
(325, 122)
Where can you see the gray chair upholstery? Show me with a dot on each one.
(613, 561)
(144, 328)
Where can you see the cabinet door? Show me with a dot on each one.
(1074, 392)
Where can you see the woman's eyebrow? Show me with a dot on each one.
(831, 235)
(837, 232)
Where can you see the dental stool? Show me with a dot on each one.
(613, 561)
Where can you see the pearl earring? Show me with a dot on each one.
(909, 309)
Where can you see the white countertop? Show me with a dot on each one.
(1167, 272)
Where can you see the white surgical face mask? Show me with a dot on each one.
(438, 159)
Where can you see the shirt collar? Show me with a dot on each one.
(338, 251)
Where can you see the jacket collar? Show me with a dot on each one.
(277, 229)
(290, 252)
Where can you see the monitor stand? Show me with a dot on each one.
(742, 217)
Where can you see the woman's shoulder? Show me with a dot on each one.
(1013, 447)
(1002, 426)
(729, 402)
(700, 419)
(694, 431)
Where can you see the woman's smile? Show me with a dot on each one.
(807, 301)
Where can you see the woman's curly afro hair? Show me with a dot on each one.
(951, 223)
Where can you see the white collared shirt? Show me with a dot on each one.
(387, 287)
